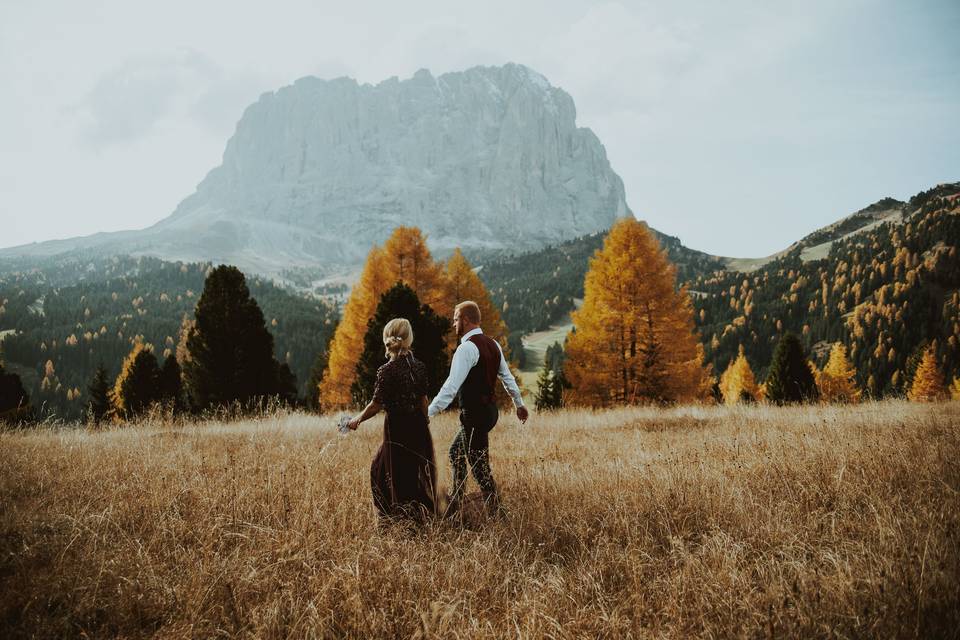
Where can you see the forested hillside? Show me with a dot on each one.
(537, 289)
(887, 292)
(63, 316)
(887, 288)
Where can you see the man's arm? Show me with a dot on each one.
(464, 358)
(509, 382)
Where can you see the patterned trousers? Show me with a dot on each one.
(472, 444)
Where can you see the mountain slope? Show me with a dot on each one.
(885, 281)
(76, 311)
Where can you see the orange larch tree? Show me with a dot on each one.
(347, 343)
(634, 339)
(838, 379)
(463, 283)
(738, 382)
(928, 385)
(403, 258)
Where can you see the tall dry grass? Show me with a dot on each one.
(713, 522)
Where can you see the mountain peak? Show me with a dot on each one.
(318, 171)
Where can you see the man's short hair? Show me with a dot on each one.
(469, 311)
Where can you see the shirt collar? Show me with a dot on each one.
(472, 332)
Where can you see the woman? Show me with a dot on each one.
(403, 476)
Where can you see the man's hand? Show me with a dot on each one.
(522, 414)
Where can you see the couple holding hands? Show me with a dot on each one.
(403, 476)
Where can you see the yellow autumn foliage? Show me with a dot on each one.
(837, 381)
(634, 339)
(737, 383)
(928, 385)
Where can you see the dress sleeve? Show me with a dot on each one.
(378, 387)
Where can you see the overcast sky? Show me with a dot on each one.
(737, 126)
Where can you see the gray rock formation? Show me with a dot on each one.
(317, 172)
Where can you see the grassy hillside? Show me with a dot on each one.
(709, 522)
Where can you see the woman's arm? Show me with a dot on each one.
(424, 405)
(372, 409)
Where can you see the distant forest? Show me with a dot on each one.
(887, 293)
(65, 315)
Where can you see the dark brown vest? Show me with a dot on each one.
(477, 389)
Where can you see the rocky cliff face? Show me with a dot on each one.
(316, 172)
(489, 157)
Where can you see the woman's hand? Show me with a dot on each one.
(354, 423)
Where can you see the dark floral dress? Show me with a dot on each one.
(403, 476)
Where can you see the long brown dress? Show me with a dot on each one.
(403, 476)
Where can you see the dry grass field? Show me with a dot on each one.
(709, 522)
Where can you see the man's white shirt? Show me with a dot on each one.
(465, 358)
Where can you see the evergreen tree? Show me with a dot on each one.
(838, 380)
(634, 340)
(429, 341)
(171, 383)
(138, 385)
(517, 353)
(928, 383)
(312, 389)
(551, 383)
(14, 401)
(98, 409)
(231, 351)
(286, 385)
(550, 387)
(790, 378)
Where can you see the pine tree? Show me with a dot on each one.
(286, 385)
(737, 383)
(551, 383)
(312, 390)
(99, 406)
(634, 340)
(550, 388)
(790, 378)
(231, 351)
(14, 400)
(928, 385)
(837, 381)
(137, 386)
(545, 393)
(403, 258)
(429, 341)
(171, 383)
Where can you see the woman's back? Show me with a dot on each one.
(401, 384)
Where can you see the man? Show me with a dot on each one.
(477, 363)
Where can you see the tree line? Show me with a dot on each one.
(63, 316)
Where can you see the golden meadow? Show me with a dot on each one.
(713, 521)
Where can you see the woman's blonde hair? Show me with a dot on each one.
(397, 337)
